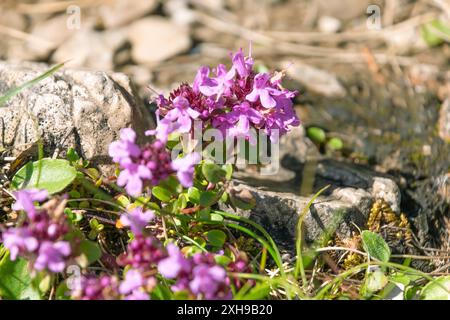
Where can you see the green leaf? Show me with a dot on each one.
(208, 198)
(14, 91)
(375, 246)
(172, 184)
(162, 194)
(123, 201)
(435, 32)
(260, 291)
(72, 155)
(335, 144)
(216, 238)
(222, 260)
(182, 201)
(229, 171)
(15, 280)
(316, 134)
(54, 176)
(73, 216)
(216, 217)
(439, 289)
(194, 195)
(91, 251)
(375, 281)
(213, 173)
(204, 214)
(162, 292)
(63, 291)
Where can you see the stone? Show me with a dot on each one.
(72, 108)
(121, 12)
(387, 189)
(180, 12)
(343, 9)
(444, 121)
(314, 79)
(13, 19)
(91, 49)
(155, 39)
(405, 40)
(343, 207)
(329, 24)
(45, 37)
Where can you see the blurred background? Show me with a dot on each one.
(373, 76)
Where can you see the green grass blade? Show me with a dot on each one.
(274, 249)
(299, 268)
(14, 91)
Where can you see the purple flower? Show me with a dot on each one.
(240, 119)
(185, 168)
(140, 166)
(142, 253)
(138, 295)
(174, 264)
(93, 288)
(219, 85)
(133, 280)
(202, 78)
(52, 256)
(19, 241)
(207, 280)
(131, 177)
(137, 220)
(38, 239)
(125, 148)
(279, 120)
(183, 114)
(242, 65)
(262, 91)
(163, 129)
(177, 119)
(25, 200)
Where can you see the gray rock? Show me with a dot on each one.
(278, 213)
(345, 205)
(388, 190)
(72, 108)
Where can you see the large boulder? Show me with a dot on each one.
(72, 108)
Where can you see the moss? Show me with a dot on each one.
(394, 228)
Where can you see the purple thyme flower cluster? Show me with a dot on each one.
(107, 287)
(91, 287)
(148, 165)
(142, 256)
(137, 219)
(240, 265)
(142, 253)
(40, 236)
(232, 101)
(199, 275)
